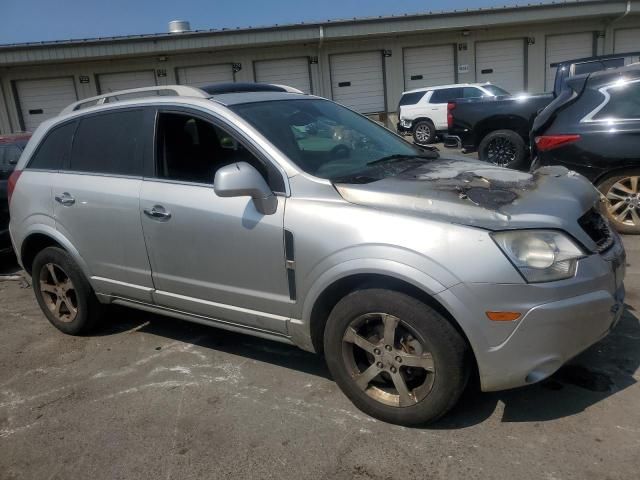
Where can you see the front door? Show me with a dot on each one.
(211, 256)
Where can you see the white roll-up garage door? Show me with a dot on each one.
(205, 75)
(428, 66)
(357, 81)
(112, 82)
(627, 40)
(502, 63)
(40, 100)
(566, 47)
(293, 72)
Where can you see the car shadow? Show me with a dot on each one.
(601, 371)
(268, 351)
(598, 373)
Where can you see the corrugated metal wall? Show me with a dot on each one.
(302, 42)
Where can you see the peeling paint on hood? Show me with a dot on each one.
(471, 192)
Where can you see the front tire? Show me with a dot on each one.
(63, 293)
(622, 207)
(504, 148)
(424, 132)
(396, 358)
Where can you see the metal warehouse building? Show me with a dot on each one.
(362, 63)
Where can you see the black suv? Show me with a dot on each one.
(11, 147)
(593, 127)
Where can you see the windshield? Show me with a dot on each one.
(330, 141)
(495, 90)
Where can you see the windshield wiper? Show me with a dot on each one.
(398, 157)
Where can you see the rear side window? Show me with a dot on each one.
(411, 98)
(54, 149)
(446, 95)
(109, 143)
(9, 155)
(623, 104)
(471, 92)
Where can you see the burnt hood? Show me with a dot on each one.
(474, 193)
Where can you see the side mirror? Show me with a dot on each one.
(242, 180)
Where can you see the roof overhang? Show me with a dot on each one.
(162, 44)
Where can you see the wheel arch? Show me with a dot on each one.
(421, 119)
(317, 310)
(615, 172)
(516, 124)
(40, 238)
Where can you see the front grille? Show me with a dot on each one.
(597, 227)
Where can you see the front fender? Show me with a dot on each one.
(314, 286)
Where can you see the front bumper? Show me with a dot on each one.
(5, 242)
(559, 321)
(403, 128)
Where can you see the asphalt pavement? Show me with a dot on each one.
(152, 397)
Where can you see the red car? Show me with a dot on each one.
(11, 147)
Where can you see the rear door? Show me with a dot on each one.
(439, 101)
(97, 203)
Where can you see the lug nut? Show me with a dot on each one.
(393, 369)
(399, 359)
(379, 365)
(376, 351)
(388, 347)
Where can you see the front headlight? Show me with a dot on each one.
(540, 255)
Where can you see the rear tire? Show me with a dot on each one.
(424, 132)
(396, 358)
(63, 293)
(622, 207)
(504, 148)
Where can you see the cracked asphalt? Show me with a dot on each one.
(153, 397)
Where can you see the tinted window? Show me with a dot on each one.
(497, 91)
(411, 98)
(54, 149)
(624, 103)
(109, 143)
(190, 149)
(9, 155)
(446, 95)
(471, 92)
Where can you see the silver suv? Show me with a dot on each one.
(292, 218)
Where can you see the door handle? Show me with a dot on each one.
(157, 212)
(65, 199)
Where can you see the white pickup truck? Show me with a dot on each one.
(423, 112)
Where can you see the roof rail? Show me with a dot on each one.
(160, 90)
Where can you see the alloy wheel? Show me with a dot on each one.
(423, 133)
(58, 293)
(624, 201)
(387, 361)
(501, 152)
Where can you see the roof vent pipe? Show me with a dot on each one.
(179, 26)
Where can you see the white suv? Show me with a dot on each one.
(423, 112)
